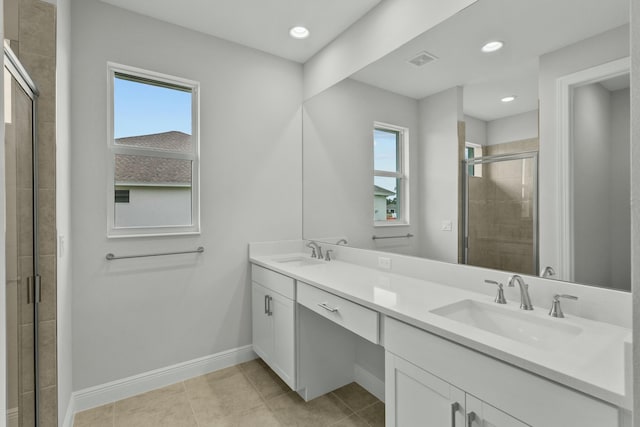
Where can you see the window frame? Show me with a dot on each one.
(113, 149)
(477, 168)
(402, 173)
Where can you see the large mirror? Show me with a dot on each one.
(444, 151)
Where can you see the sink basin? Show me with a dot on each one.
(524, 327)
(298, 261)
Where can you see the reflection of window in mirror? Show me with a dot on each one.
(471, 151)
(390, 175)
(153, 164)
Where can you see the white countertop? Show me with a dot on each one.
(592, 362)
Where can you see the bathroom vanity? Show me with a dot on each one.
(452, 356)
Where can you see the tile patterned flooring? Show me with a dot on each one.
(245, 395)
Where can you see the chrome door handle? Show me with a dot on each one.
(471, 417)
(269, 312)
(29, 289)
(266, 304)
(454, 408)
(328, 307)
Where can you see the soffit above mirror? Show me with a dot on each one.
(262, 25)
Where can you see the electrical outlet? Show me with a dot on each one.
(384, 263)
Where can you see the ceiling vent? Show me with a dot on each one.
(422, 58)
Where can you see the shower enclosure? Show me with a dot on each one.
(501, 212)
(22, 269)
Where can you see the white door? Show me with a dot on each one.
(481, 414)
(414, 397)
(283, 355)
(262, 322)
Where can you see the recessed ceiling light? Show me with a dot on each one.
(492, 46)
(508, 98)
(299, 33)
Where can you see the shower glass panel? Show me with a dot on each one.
(501, 224)
(21, 259)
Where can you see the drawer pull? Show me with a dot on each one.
(471, 417)
(328, 307)
(455, 406)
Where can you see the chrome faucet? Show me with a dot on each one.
(316, 250)
(547, 272)
(525, 299)
(500, 299)
(342, 241)
(556, 310)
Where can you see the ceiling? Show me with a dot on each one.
(260, 24)
(529, 29)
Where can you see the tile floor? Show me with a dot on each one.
(246, 395)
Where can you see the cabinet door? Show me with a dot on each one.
(262, 322)
(283, 354)
(481, 414)
(416, 398)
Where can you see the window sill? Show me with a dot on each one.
(154, 234)
(395, 224)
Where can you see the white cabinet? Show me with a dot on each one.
(481, 414)
(496, 394)
(415, 397)
(273, 320)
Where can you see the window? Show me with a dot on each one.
(153, 165)
(471, 151)
(122, 196)
(390, 175)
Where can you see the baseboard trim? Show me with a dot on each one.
(70, 414)
(103, 394)
(369, 382)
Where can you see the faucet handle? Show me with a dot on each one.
(327, 257)
(500, 299)
(556, 310)
(313, 249)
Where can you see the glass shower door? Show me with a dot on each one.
(500, 202)
(21, 259)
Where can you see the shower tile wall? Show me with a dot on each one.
(501, 211)
(31, 27)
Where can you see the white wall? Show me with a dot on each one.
(585, 54)
(475, 130)
(591, 188)
(513, 128)
(364, 42)
(620, 189)
(438, 154)
(63, 207)
(132, 316)
(338, 163)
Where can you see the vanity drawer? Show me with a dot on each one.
(349, 315)
(274, 281)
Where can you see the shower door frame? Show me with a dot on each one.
(533, 155)
(13, 65)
